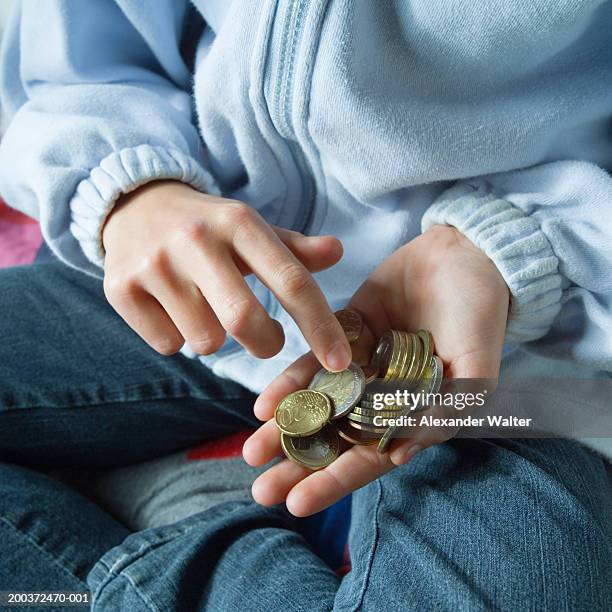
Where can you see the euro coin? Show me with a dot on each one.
(364, 403)
(396, 356)
(353, 435)
(372, 412)
(343, 388)
(367, 427)
(400, 341)
(428, 349)
(351, 323)
(313, 452)
(388, 436)
(415, 362)
(303, 413)
(370, 373)
(378, 420)
(437, 374)
(382, 354)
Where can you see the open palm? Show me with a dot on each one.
(441, 282)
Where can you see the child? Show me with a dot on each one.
(437, 165)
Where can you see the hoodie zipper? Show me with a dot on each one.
(291, 22)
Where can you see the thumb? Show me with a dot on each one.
(315, 252)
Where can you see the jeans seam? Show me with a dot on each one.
(48, 554)
(145, 600)
(125, 560)
(370, 561)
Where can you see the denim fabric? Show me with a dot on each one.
(83, 389)
(468, 525)
(333, 117)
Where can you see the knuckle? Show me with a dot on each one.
(239, 316)
(118, 288)
(235, 213)
(324, 328)
(156, 262)
(193, 232)
(295, 280)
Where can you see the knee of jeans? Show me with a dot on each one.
(538, 504)
(120, 593)
(114, 580)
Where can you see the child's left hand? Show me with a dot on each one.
(439, 281)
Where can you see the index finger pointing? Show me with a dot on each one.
(296, 290)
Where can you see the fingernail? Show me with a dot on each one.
(402, 456)
(338, 358)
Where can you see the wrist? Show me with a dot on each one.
(516, 244)
(142, 196)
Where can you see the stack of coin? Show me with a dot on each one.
(338, 404)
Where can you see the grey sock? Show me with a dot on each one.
(166, 490)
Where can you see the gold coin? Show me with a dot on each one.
(303, 413)
(372, 412)
(351, 323)
(313, 452)
(382, 421)
(364, 403)
(415, 362)
(392, 370)
(343, 388)
(354, 436)
(388, 436)
(366, 427)
(385, 441)
(372, 403)
(428, 349)
(405, 347)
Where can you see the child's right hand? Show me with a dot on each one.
(175, 265)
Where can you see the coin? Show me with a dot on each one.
(366, 427)
(372, 412)
(343, 388)
(437, 374)
(388, 436)
(402, 347)
(372, 405)
(303, 413)
(370, 373)
(415, 362)
(428, 349)
(368, 420)
(355, 436)
(313, 452)
(351, 323)
(382, 354)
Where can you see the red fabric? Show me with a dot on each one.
(222, 448)
(20, 237)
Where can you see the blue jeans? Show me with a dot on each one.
(470, 525)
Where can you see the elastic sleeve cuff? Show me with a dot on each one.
(516, 244)
(119, 173)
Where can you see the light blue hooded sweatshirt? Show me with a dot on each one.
(366, 119)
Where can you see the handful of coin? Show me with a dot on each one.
(338, 405)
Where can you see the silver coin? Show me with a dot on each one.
(437, 369)
(344, 389)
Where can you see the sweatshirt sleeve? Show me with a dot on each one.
(548, 229)
(98, 101)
